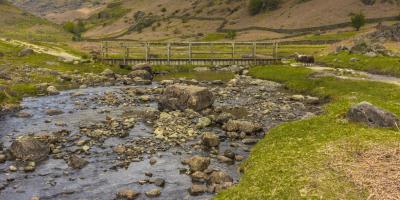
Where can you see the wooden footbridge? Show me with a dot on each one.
(190, 53)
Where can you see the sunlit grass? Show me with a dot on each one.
(291, 162)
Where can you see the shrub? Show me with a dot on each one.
(257, 6)
(358, 21)
(231, 35)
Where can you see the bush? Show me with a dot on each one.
(257, 6)
(75, 28)
(358, 21)
(231, 35)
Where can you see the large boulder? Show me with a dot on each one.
(77, 162)
(142, 66)
(181, 97)
(198, 163)
(210, 139)
(52, 90)
(218, 177)
(25, 52)
(242, 126)
(29, 149)
(371, 115)
(108, 73)
(143, 74)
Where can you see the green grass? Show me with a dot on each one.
(288, 50)
(17, 90)
(113, 14)
(212, 37)
(291, 162)
(331, 36)
(380, 64)
(18, 24)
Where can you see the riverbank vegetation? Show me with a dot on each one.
(325, 157)
(380, 64)
(20, 75)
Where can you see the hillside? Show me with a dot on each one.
(19, 24)
(172, 19)
(60, 11)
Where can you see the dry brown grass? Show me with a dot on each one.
(375, 169)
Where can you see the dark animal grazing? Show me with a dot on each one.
(307, 59)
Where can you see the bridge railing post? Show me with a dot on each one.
(169, 53)
(233, 53)
(254, 52)
(190, 53)
(212, 53)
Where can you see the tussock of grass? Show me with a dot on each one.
(291, 161)
(380, 64)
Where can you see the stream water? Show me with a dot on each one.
(264, 102)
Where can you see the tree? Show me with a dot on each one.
(358, 21)
(255, 6)
(231, 35)
(75, 28)
(79, 27)
(69, 26)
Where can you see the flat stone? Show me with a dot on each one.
(153, 193)
(127, 194)
(197, 189)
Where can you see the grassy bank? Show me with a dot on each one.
(22, 82)
(380, 65)
(318, 158)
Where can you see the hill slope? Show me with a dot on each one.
(60, 11)
(187, 19)
(19, 24)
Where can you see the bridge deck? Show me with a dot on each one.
(193, 61)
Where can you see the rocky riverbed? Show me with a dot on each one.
(141, 141)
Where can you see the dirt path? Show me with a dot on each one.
(355, 75)
(58, 52)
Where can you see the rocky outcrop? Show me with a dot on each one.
(371, 115)
(388, 33)
(181, 97)
(369, 48)
(29, 149)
